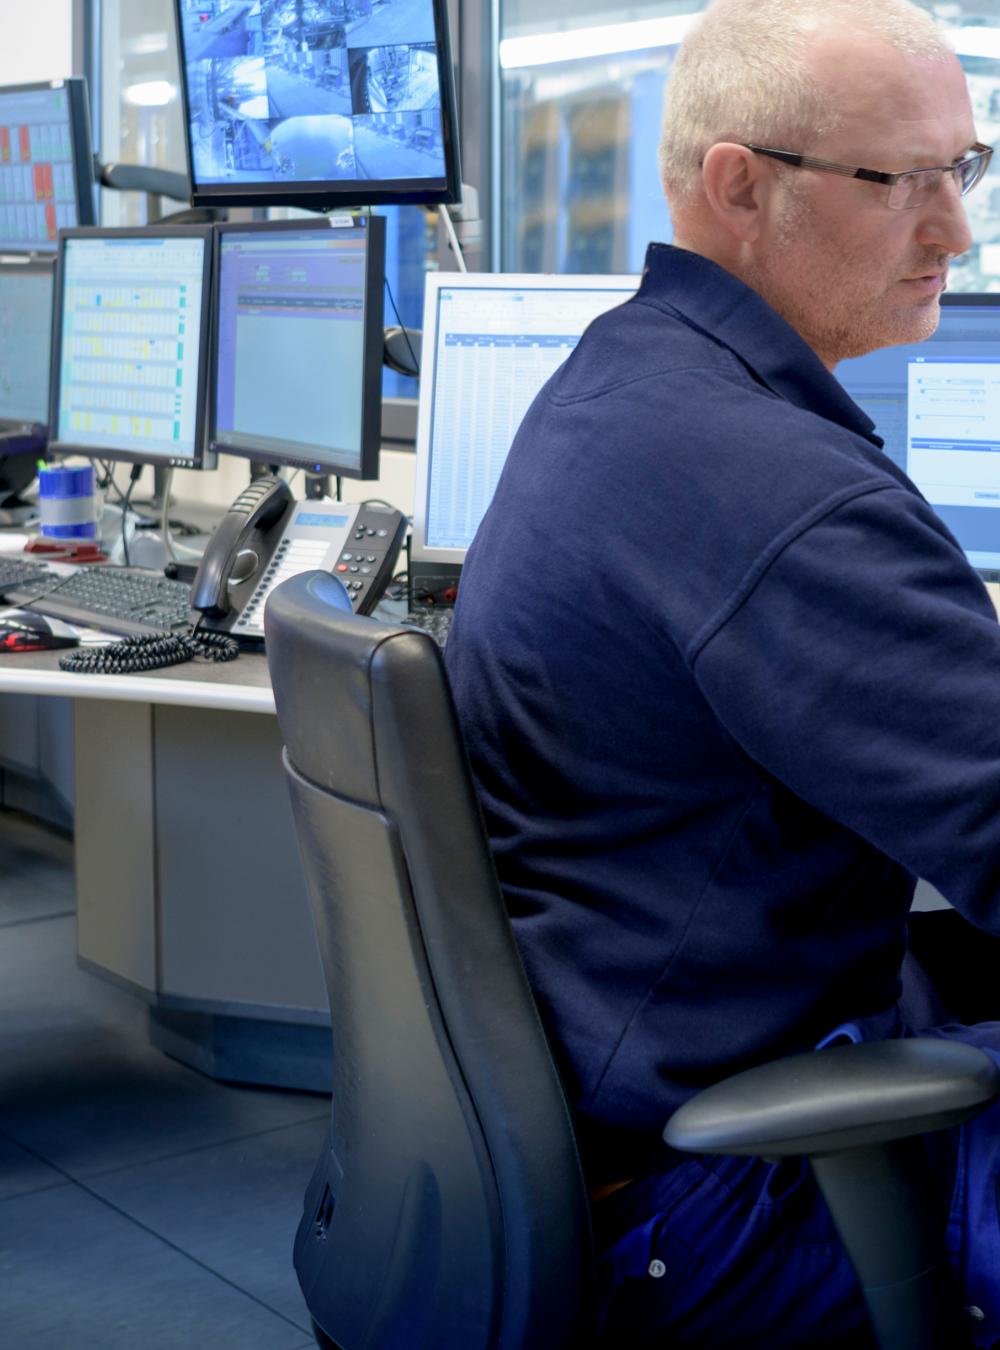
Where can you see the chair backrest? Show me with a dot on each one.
(449, 1211)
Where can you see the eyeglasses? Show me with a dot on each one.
(912, 187)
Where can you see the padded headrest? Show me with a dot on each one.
(308, 638)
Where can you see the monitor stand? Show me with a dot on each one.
(159, 488)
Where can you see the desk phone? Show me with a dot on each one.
(267, 536)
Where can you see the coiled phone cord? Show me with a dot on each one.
(150, 651)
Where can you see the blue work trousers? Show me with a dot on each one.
(741, 1254)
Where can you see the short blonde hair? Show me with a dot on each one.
(742, 75)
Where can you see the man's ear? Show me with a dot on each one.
(736, 182)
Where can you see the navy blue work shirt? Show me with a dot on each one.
(728, 685)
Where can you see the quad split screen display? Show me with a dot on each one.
(316, 97)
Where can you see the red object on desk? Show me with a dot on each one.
(66, 550)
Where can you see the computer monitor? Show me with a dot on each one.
(936, 404)
(25, 342)
(26, 282)
(490, 341)
(46, 163)
(319, 103)
(130, 355)
(297, 350)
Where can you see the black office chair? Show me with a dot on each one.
(448, 1210)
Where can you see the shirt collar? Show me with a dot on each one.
(725, 309)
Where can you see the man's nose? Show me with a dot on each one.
(944, 224)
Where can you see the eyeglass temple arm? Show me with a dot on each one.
(824, 165)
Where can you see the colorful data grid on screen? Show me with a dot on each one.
(129, 355)
(494, 348)
(294, 91)
(25, 338)
(291, 322)
(37, 187)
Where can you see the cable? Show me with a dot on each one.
(402, 328)
(151, 651)
(108, 481)
(132, 480)
(399, 321)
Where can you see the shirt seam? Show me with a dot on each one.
(757, 377)
(765, 560)
(664, 970)
(568, 400)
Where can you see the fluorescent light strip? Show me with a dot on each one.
(574, 44)
(976, 42)
(149, 94)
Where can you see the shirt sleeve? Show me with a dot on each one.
(860, 667)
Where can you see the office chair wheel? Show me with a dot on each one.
(321, 1338)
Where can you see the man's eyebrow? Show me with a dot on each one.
(921, 158)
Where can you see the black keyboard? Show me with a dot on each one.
(433, 619)
(118, 599)
(20, 572)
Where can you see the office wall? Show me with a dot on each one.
(37, 41)
(395, 484)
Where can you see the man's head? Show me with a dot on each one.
(863, 83)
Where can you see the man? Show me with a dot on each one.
(728, 684)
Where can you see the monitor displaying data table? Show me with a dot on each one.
(25, 343)
(298, 344)
(490, 341)
(130, 360)
(936, 404)
(46, 163)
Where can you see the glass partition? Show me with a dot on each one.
(581, 94)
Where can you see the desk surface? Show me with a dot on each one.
(241, 685)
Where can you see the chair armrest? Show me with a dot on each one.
(841, 1098)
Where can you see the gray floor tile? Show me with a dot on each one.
(36, 871)
(256, 1183)
(25, 898)
(79, 1081)
(76, 1273)
(21, 1173)
(31, 851)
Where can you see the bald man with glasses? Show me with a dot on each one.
(729, 684)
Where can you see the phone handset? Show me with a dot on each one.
(235, 554)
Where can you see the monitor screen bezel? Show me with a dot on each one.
(340, 193)
(201, 458)
(371, 394)
(83, 154)
(627, 283)
(969, 299)
(18, 434)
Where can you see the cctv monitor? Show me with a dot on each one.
(490, 341)
(46, 163)
(129, 361)
(318, 103)
(297, 350)
(936, 404)
(25, 340)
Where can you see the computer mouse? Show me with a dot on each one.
(21, 630)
